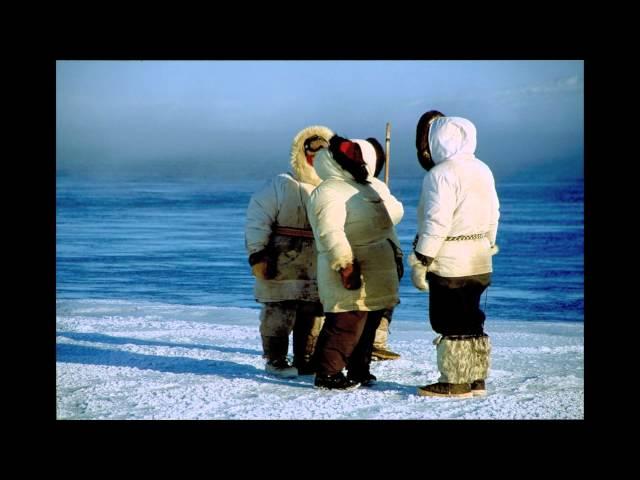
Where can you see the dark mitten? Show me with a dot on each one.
(350, 276)
(263, 264)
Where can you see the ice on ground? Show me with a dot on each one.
(126, 360)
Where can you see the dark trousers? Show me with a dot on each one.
(346, 340)
(454, 304)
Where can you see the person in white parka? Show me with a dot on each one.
(282, 256)
(458, 216)
(353, 225)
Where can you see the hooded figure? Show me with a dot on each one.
(457, 216)
(353, 216)
(282, 256)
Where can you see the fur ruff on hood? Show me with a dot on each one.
(302, 171)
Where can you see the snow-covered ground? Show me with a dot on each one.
(124, 360)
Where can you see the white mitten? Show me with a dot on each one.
(494, 249)
(418, 273)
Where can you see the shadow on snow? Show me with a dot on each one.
(101, 338)
(89, 355)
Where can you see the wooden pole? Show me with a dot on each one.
(386, 163)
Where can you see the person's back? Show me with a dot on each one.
(459, 200)
(352, 220)
(474, 186)
(357, 273)
(365, 221)
(457, 225)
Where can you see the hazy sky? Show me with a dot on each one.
(238, 118)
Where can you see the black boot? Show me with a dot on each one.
(335, 382)
(366, 379)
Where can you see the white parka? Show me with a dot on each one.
(282, 203)
(458, 198)
(351, 220)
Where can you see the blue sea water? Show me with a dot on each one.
(182, 242)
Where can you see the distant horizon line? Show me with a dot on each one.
(529, 176)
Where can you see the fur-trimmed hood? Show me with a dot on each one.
(302, 171)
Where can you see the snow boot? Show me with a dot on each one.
(281, 368)
(455, 363)
(380, 349)
(275, 351)
(481, 363)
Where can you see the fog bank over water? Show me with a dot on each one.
(236, 119)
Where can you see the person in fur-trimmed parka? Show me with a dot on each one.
(282, 256)
(458, 216)
(353, 224)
